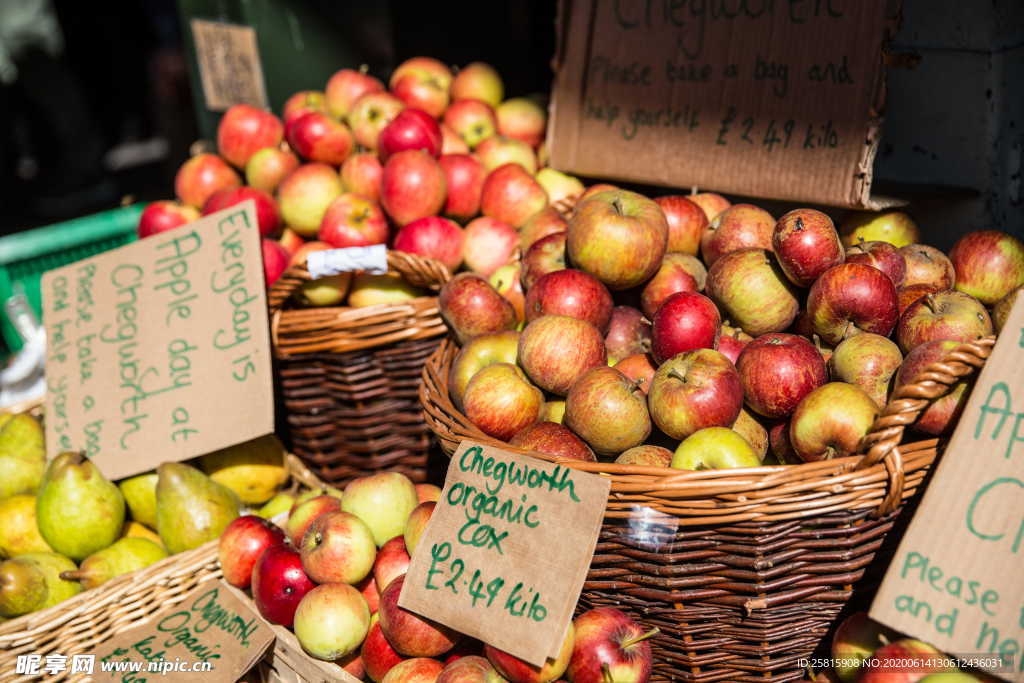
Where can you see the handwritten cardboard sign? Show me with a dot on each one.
(765, 99)
(160, 350)
(507, 549)
(229, 64)
(956, 580)
(211, 634)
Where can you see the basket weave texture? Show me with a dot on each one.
(744, 571)
(350, 377)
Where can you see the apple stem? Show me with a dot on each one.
(799, 224)
(640, 638)
(606, 674)
(618, 205)
(676, 374)
(929, 301)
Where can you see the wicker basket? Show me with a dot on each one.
(744, 571)
(79, 624)
(350, 376)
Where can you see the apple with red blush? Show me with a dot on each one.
(881, 255)
(684, 322)
(410, 129)
(464, 179)
(806, 244)
(472, 307)
(694, 390)
(851, 298)
(572, 293)
(164, 215)
(553, 439)
(686, 223)
(410, 634)
(268, 218)
(949, 315)
(489, 245)
(472, 120)
(741, 226)
(546, 255)
(370, 113)
(610, 646)
(201, 176)
(279, 583)
(413, 186)
(244, 129)
(242, 543)
(345, 87)
(545, 222)
(511, 195)
(319, 138)
(556, 350)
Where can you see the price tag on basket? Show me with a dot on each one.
(955, 581)
(505, 554)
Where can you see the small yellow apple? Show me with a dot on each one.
(714, 448)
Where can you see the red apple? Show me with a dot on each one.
(469, 669)
(319, 138)
(164, 215)
(472, 120)
(410, 129)
(868, 361)
(378, 655)
(417, 523)
(686, 223)
(777, 370)
(353, 221)
(304, 196)
(338, 547)
(511, 195)
(943, 315)
(741, 226)
(435, 237)
(855, 641)
(478, 81)
(694, 390)
(989, 264)
(361, 174)
(464, 178)
(501, 402)
(691, 264)
(412, 186)
(278, 584)
(304, 513)
(908, 295)
(392, 561)
(553, 439)
(927, 266)
(608, 411)
(477, 354)
(753, 292)
(370, 114)
(806, 244)
(422, 82)
(545, 222)
(732, 341)
(904, 661)
(712, 204)
(241, 545)
(782, 449)
(345, 87)
(573, 293)
(489, 245)
(451, 143)
(499, 150)
(610, 646)
(670, 279)
(507, 281)
(301, 103)
(629, 333)
(368, 589)
(275, 260)
(410, 634)
(201, 176)
(942, 413)
(881, 255)
(619, 237)
(645, 456)
(516, 670)
(416, 670)
(523, 119)
(244, 129)
(556, 350)
(546, 255)
(851, 298)
(685, 321)
(268, 167)
(471, 307)
(268, 217)
(831, 421)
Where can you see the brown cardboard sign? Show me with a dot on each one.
(160, 350)
(229, 64)
(505, 554)
(768, 99)
(212, 633)
(955, 581)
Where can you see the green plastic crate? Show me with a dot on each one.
(25, 256)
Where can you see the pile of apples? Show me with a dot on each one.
(691, 333)
(438, 164)
(334, 574)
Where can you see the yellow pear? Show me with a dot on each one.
(22, 454)
(32, 582)
(125, 555)
(282, 502)
(19, 533)
(140, 494)
(136, 530)
(254, 470)
(191, 508)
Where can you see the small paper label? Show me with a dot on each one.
(372, 259)
(505, 554)
(229, 65)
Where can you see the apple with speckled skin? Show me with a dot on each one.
(752, 291)
(471, 307)
(1001, 311)
(477, 354)
(545, 256)
(507, 281)
(670, 279)
(516, 670)
(345, 87)
(639, 368)
(608, 411)
(777, 370)
(686, 223)
(553, 439)
(928, 266)
(608, 645)
(711, 203)
(831, 422)
(556, 350)
(943, 412)
(881, 255)
(741, 226)
(685, 321)
(868, 361)
(501, 401)
(851, 298)
(470, 669)
(629, 333)
(694, 390)
(944, 315)
(410, 634)
(732, 341)
(572, 293)
(806, 244)
(989, 264)
(645, 456)
(908, 295)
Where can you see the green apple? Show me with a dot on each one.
(558, 185)
(331, 621)
(477, 354)
(714, 448)
(383, 501)
(329, 290)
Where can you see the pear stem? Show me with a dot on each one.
(640, 638)
(76, 575)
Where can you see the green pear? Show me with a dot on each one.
(78, 510)
(126, 555)
(22, 454)
(19, 533)
(282, 502)
(191, 508)
(32, 582)
(140, 495)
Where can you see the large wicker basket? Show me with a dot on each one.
(78, 625)
(350, 376)
(744, 571)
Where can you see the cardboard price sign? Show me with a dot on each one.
(229, 65)
(955, 581)
(505, 554)
(766, 99)
(211, 633)
(160, 350)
